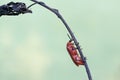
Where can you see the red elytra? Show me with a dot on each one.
(74, 54)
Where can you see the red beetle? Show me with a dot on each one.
(74, 54)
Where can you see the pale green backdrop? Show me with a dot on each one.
(32, 46)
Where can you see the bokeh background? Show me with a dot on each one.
(32, 46)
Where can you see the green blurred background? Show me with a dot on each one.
(32, 46)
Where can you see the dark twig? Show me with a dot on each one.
(55, 11)
(31, 5)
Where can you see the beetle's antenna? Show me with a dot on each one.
(69, 37)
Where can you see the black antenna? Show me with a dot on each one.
(69, 38)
